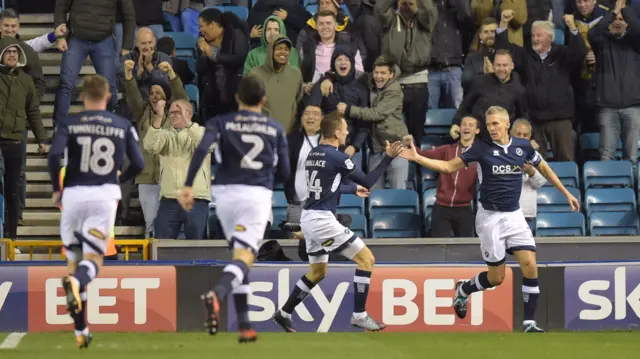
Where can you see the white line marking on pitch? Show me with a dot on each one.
(12, 340)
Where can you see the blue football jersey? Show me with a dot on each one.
(501, 169)
(96, 144)
(250, 149)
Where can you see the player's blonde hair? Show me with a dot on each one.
(499, 111)
(95, 87)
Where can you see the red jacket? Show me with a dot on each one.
(454, 189)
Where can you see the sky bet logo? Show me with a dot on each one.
(602, 298)
(506, 170)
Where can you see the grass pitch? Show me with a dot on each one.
(620, 345)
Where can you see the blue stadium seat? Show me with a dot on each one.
(351, 204)
(393, 200)
(312, 9)
(279, 204)
(428, 200)
(175, 24)
(590, 146)
(431, 142)
(190, 23)
(549, 199)
(395, 225)
(610, 200)
(194, 96)
(439, 121)
(559, 37)
(607, 174)
(614, 224)
(359, 225)
(567, 172)
(185, 43)
(429, 179)
(560, 224)
(241, 11)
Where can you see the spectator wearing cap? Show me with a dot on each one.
(144, 115)
(273, 26)
(167, 46)
(283, 82)
(341, 86)
(407, 36)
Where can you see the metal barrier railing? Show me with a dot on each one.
(124, 246)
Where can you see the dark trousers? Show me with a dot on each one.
(23, 176)
(557, 133)
(458, 221)
(171, 217)
(13, 159)
(415, 106)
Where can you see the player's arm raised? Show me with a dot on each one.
(411, 154)
(369, 179)
(545, 170)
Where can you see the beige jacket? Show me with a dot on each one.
(175, 149)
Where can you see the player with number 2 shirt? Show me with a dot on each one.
(251, 149)
(96, 142)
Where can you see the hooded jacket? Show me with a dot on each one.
(33, 67)
(19, 102)
(345, 89)
(258, 55)
(283, 88)
(296, 20)
(385, 112)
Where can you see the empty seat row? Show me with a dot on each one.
(564, 224)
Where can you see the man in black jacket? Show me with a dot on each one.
(480, 59)
(616, 45)
(90, 26)
(546, 69)
(499, 88)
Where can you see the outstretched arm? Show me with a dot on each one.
(546, 171)
(208, 139)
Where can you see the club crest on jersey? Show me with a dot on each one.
(349, 164)
(96, 233)
(506, 169)
(519, 151)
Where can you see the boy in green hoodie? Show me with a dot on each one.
(272, 26)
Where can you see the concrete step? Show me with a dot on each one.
(52, 83)
(40, 161)
(32, 137)
(55, 70)
(39, 188)
(37, 215)
(30, 20)
(46, 111)
(45, 203)
(32, 149)
(55, 59)
(50, 98)
(54, 230)
(31, 32)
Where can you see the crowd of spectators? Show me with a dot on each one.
(383, 64)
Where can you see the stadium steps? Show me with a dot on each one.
(41, 216)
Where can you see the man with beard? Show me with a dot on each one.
(479, 60)
(144, 114)
(283, 83)
(498, 88)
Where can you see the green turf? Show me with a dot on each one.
(334, 346)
